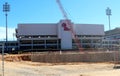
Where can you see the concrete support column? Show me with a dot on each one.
(32, 44)
(45, 43)
(57, 44)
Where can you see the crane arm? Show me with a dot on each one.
(62, 9)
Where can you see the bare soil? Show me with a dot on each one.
(28, 68)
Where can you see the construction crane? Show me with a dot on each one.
(75, 38)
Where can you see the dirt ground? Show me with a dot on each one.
(28, 68)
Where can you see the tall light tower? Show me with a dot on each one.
(108, 13)
(6, 9)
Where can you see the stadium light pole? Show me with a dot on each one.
(108, 13)
(6, 9)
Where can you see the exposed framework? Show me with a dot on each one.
(75, 38)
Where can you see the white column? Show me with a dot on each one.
(65, 35)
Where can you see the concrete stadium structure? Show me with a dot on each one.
(112, 39)
(57, 36)
(44, 36)
(113, 34)
(12, 46)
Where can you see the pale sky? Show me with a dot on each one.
(47, 11)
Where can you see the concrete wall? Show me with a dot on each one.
(37, 29)
(76, 57)
(89, 29)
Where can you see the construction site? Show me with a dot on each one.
(65, 49)
(62, 64)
